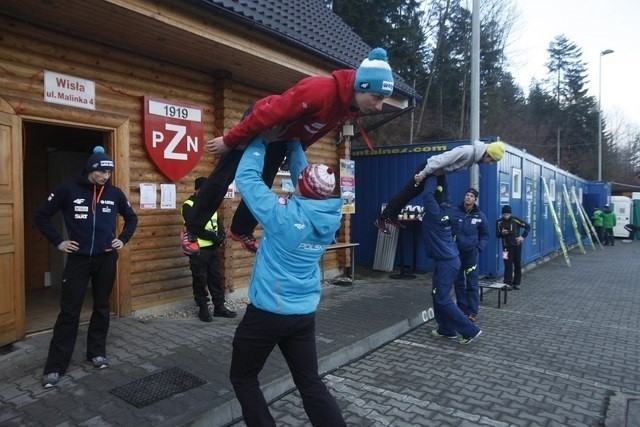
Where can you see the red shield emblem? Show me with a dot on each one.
(173, 136)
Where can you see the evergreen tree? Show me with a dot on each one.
(538, 134)
(575, 124)
(430, 48)
(395, 25)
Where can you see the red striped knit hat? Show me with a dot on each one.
(317, 181)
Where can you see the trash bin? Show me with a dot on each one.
(386, 245)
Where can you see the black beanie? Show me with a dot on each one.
(474, 192)
(506, 209)
(99, 161)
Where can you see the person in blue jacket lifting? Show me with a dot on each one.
(284, 288)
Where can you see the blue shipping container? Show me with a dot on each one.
(516, 180)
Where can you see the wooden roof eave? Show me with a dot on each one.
(182, 33)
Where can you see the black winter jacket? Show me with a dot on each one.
(513, 225)
(90, 212)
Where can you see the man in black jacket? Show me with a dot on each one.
(512, 230)
(205, 265)
(90, 206)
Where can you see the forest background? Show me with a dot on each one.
(429, 46)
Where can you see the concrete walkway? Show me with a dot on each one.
(351, 321)
(152, 359)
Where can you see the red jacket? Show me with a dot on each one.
(307, 111)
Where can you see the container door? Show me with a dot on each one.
(11, 231)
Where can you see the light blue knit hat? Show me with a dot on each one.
(374, 74)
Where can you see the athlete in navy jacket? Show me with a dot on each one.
(437, 229)
(90, 206)
(472, 235)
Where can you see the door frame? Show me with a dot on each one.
(117, 130)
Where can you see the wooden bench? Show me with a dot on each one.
(499, 286)
(336, 246)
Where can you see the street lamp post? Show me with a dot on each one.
(603, 53)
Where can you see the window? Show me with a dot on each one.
(516, 183)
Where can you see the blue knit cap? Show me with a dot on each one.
(374, 74)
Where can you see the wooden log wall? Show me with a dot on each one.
(156, 271)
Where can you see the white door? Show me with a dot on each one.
(622, 209)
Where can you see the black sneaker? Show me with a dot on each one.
(204, 314)
(436, 333)
(223, 312)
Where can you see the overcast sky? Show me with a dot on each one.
(594, 26)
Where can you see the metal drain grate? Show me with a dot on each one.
(152, 389)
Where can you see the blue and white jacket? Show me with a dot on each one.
(471, 228)
(297, 230)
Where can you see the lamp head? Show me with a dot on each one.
(606, 52)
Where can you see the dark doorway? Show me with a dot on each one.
(52, 154)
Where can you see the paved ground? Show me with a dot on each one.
(563, 351)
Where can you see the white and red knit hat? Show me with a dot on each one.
(317, 181)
